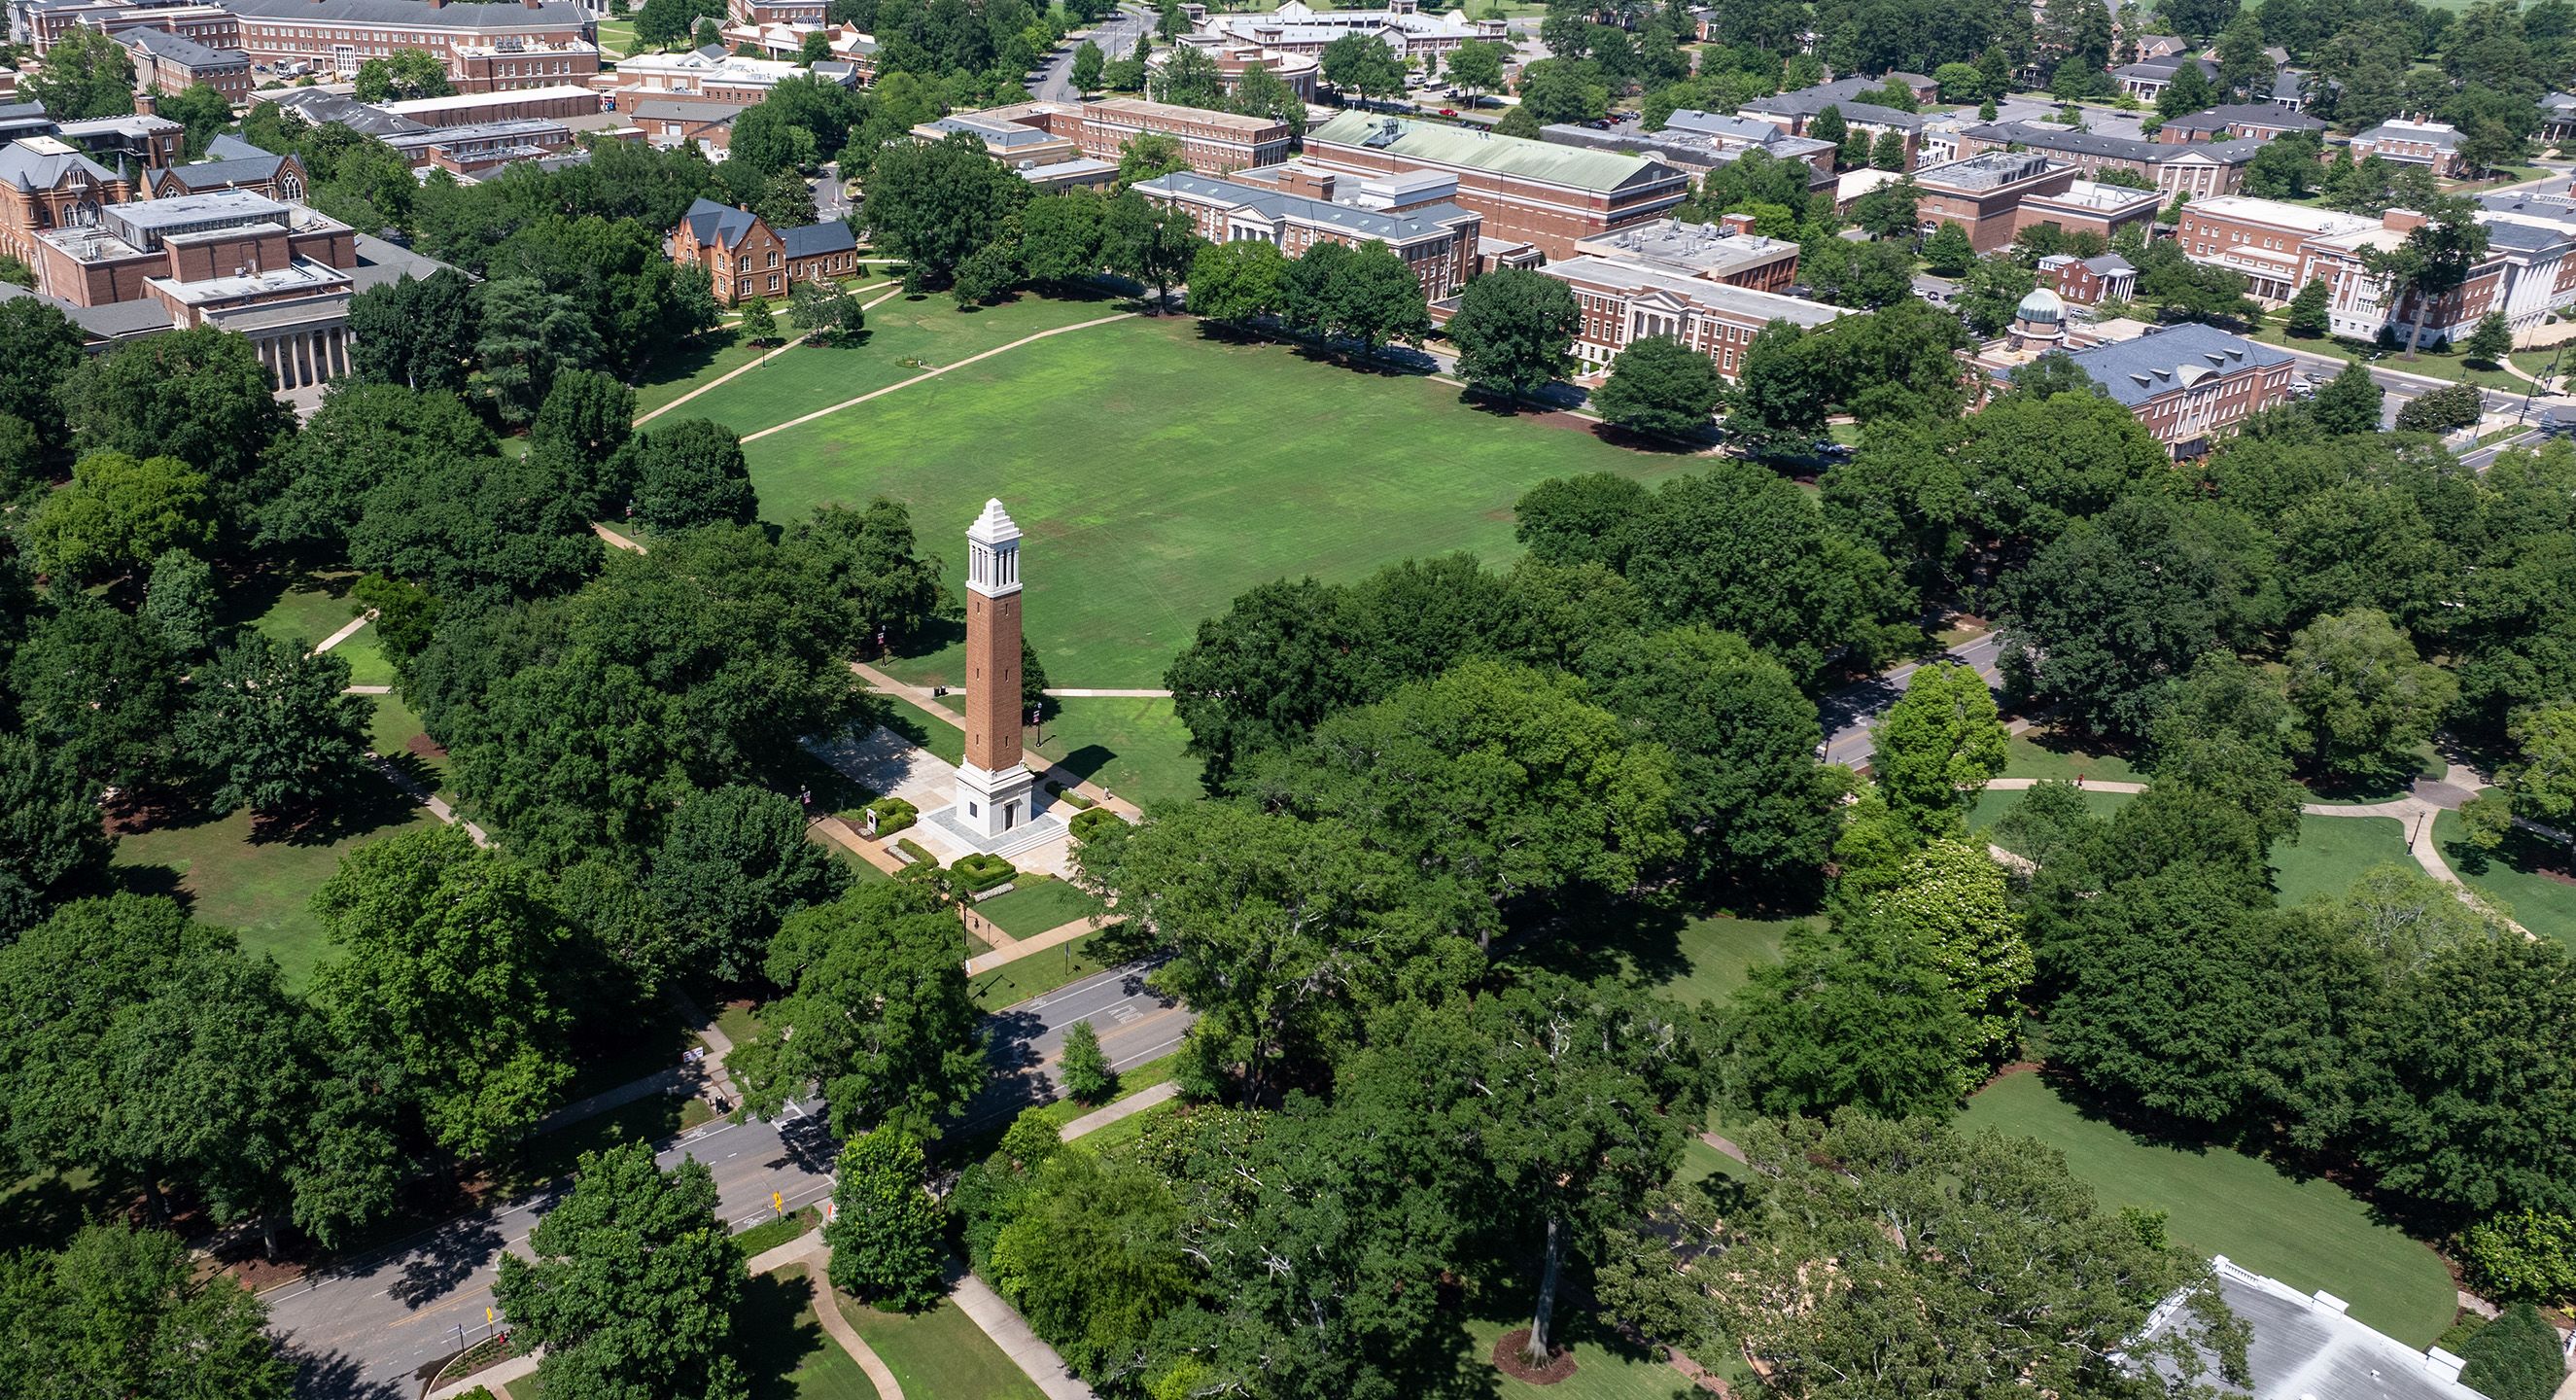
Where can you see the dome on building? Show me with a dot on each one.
(2042, 307)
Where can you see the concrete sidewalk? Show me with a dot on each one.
(1011, 1333)
(1129, 1107)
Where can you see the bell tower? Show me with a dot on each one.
(995, 790)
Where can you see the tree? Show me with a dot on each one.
(1153, 243)
(886, 1235)
(1818, 1290)
(2491, 341)
(585, 419)
(1237, 282)
(2285, 169)
(824, 310)
(419, 332)
(85, 75)
(877, 1013)
(1951, 902)
(1475, 68)
(51, 841)
(98, 686)
(1085, 1069)
(2103, 618)
(528, 335)
(2350, 402)
(632, 1284)
(1060, 237)
(202, 110)
(442, 985)
(1659, 385)
(122, 1311)
(865, 566)
(2363, 698)
(200, 396)
(1087, 61)
(692, 473)
(39, 350)
(1888, 151)
(759, 324)
(2515, 1357)
(364, 435)
(1365, 294)
(1362, 63)
(2522, 1256)
(1773, 407)
(1512, 329)
(1948, 253)
(733, 863)
(988, 274)
(1828, 125)
(1092, 1256)
(118, 515)
(1960, 82)
(270, 724)
(1752, 802)
(1519, 123)
(402, 76)
(2309, 318)
(475, 532)
(1860, 1016)
(663, 23)
(2436, 257)
(1589, 1090)
(2441, 410)
(1150, 155)
(1937, 746)
(935, 203)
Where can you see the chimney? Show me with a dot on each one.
(1735, 223)
(2402, 221)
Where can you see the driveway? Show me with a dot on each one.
(1849, 712)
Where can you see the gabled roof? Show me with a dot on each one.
(2048, 136)
(2248, 114)
(2158, 363)
(1600, 172)
(1809, 102)
(26, 166)
(710, 222)
(2435, 134)
(221, 174)
(230, 147)
(179, 49)
(817, 240)
(2164, 68)
(1274, 204)
(459, 14)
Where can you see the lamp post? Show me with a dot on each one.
(2541, 383)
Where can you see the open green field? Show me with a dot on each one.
(2333, 852)
(2041, 753)
(1701, 959)
(786, 1353)
(305, 609)
(1157, 475)
(2309, 1234)
(396, 736)
(938, 1353)
(2527, 878)
(904, 337)
(1036, 904)
(2434, 363)
(257, 880)
(1132, 747)
(1993, 803)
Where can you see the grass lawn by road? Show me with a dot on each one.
(2333, 852)
(1701, 959)
(1036, 904)
(2430, 362)
(2309, 1234)
(1134, 748)
(257, 880)
(2526, 877)
(1158, 474)
(787, 1353)
(1042, 972)
(2041, 753)
(938, 1353)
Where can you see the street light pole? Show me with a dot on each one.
(2541, 383)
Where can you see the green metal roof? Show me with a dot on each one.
(1574, 166)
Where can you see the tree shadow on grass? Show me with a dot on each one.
(774, 1333)
(1638, 945)
(1087, 762)
(365, 804)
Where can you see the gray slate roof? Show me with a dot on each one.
(816, 240)
(2048, 136)
(1720, 124)
(2164, 68)
(230, 147)
(1809, 102)
(463, 14)
(666, 109)
(710, 222)
(382, 264)
(1418, 222)
(339, 109)
(2253, 113)
(217, 174)
(2134, 371)
(180, 49)
(2440, 138)
(30, 169)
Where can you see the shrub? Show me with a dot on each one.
(914, 852)
(1085, 823)
(2528, 1256)
(2515, 1357)
(978, 873)
(893, 814)
(2454, 406)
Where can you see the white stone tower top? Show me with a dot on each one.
(993, 552)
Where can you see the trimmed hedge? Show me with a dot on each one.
(914, 852)
(893, 814)
(1072, 799)
(978, 873)
(1086, 822)
(2514, 1357)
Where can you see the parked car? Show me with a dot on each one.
(1448, 112)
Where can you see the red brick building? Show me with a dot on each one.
(46, 185)
(1415, 219)
(1549, 196)
(2247, 121)
(2089, 281)
(750, 261)
(485, 44)
(1214, 143)
(2430, 144)
(169, 64)
(2189, 384)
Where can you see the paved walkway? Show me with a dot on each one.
(1110, 694)
(1010, 950)
(720, 380)
(616, 540)
(1011, 1333)
(934, 374)
(366, 690)
(347, 632)
(1152, 1097)
(920, 698)
(437, 805)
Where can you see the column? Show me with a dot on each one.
(340, 350)
(299, 352)
(268, 361)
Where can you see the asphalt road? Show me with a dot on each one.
(1116, 37)
(1849, 712)
(371, 1328)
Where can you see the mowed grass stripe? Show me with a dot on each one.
(1158, 475)
(930, 332)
